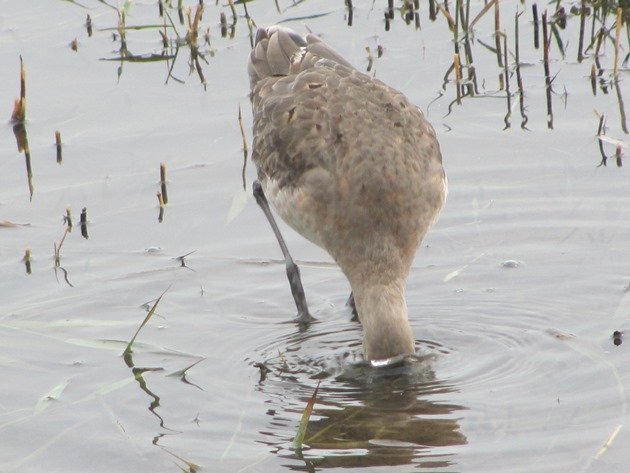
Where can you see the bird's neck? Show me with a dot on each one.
(382, 311)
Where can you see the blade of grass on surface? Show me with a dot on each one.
(144, 322)
(50, 396)
(306, 415)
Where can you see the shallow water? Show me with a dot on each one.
(513, 297)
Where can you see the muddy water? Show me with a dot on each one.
(513, 298)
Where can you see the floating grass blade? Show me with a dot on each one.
(129, 350)
(53, 395)
(306, 415)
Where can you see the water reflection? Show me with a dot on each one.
(370, 417)
(21, 137)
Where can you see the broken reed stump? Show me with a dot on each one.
(83, 223)
(58, 146)
(19, 107)
(27, 260)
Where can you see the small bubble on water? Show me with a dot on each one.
(511, 263)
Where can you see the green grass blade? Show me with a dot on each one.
(306, 415)
(144, 322)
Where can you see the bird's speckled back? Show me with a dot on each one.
(350, 164)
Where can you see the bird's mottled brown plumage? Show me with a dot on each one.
(350, 164)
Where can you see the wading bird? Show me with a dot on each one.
(351, 165)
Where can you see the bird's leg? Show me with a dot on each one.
(353, 306)
(293, 272)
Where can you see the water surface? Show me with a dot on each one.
(513, 298)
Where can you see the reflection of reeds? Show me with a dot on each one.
(458, 77)
(67, 219)
(618, 156)
(88, 25)
(601, 131)
(162, 206)
(21, 137)
(547, 74)
(57, 249)
(508, 95)
(519, 79)
(622, 108)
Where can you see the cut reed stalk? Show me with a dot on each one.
(163, 182)
(580, 55)
(83, 223)
(27, 260)
(58, 146)
(547, 74)
(536, 27)
(19, 107)
(618, 23)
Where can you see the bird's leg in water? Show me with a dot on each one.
(293, 272)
